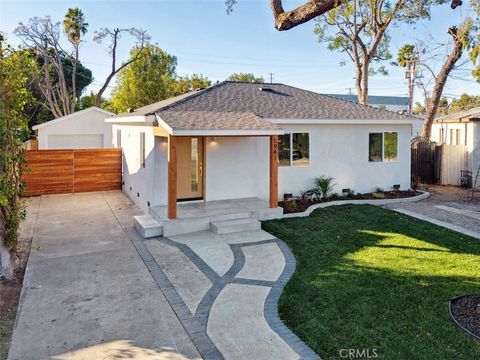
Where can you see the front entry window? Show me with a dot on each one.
(194, 156)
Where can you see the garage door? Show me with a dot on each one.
(93, 141)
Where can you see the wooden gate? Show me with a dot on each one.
(426, 158)
(454, 160)
(70, 171)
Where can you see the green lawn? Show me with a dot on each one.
(370, 278)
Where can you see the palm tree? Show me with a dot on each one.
(74, 26)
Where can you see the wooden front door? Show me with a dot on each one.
(189, 168)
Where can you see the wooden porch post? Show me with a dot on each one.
(273, 171)
(172, 177)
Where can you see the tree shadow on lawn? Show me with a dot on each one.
(370, 278)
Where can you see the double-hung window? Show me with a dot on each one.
(383, 146)
(294, 149)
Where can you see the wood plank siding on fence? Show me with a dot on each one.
(70, 171)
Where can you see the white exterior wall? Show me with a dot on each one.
(469, 136)
(88, 123)
(237, 168)
(341, 151)
(150, 182)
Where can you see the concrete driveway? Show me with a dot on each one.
(87, 293)
(93, 289)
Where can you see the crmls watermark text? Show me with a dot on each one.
(358, 353)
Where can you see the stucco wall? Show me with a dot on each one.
(239, 167)
(341, 151)
(88, 123)
(147, 184)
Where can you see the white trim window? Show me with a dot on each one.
(383, 146)
(294, 149)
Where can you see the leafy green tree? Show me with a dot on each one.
(88, 100)
(149, 79)
(465, 102)
(246, 77)
(360, 29)
(16, 68)
(190, 83)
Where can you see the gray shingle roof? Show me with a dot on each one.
(214, 120)
(241, 106)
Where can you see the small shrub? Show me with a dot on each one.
(334, 196)
(324, 184)
(290, 205)
(378, 195)
(379, 189)
(304, 197)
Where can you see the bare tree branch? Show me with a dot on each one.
(286, 20)
(114, 35)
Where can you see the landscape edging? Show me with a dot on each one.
(377, 202)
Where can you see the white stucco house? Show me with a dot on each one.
(243, 140)
(84, 129)
(461, 128)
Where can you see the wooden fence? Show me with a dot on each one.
(71, 171)
(454, 159)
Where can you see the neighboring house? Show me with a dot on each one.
(223, 142)
(391, 103)
(84, 129)
(398, 104)
(461, 128)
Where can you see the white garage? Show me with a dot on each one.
(85, 129)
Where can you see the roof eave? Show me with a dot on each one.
(132, 119)
(226, 132)
(293, 121)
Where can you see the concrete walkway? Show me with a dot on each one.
(94, 289)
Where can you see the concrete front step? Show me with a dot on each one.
(147, 226)
(235, 225)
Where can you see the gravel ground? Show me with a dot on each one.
(466, 310)
(449, 196)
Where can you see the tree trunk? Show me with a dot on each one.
(440, 81)
(363, 96)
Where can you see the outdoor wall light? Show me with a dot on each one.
(212, 140)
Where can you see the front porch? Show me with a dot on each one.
(181, 161)
(222, 216)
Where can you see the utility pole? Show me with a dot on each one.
(410, 75)
(271, 78)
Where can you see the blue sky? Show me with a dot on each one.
(208, 41)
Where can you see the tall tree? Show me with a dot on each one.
(75, 27)
(246, 77)
(464, 102)
(16, 68)
(148, 79)
(359, 28)
(286, 20)
(464, 38)
(113, 35)
(184, 84)
(43, 36)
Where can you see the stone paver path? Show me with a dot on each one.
(94, 289)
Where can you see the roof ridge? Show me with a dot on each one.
(192, 96)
